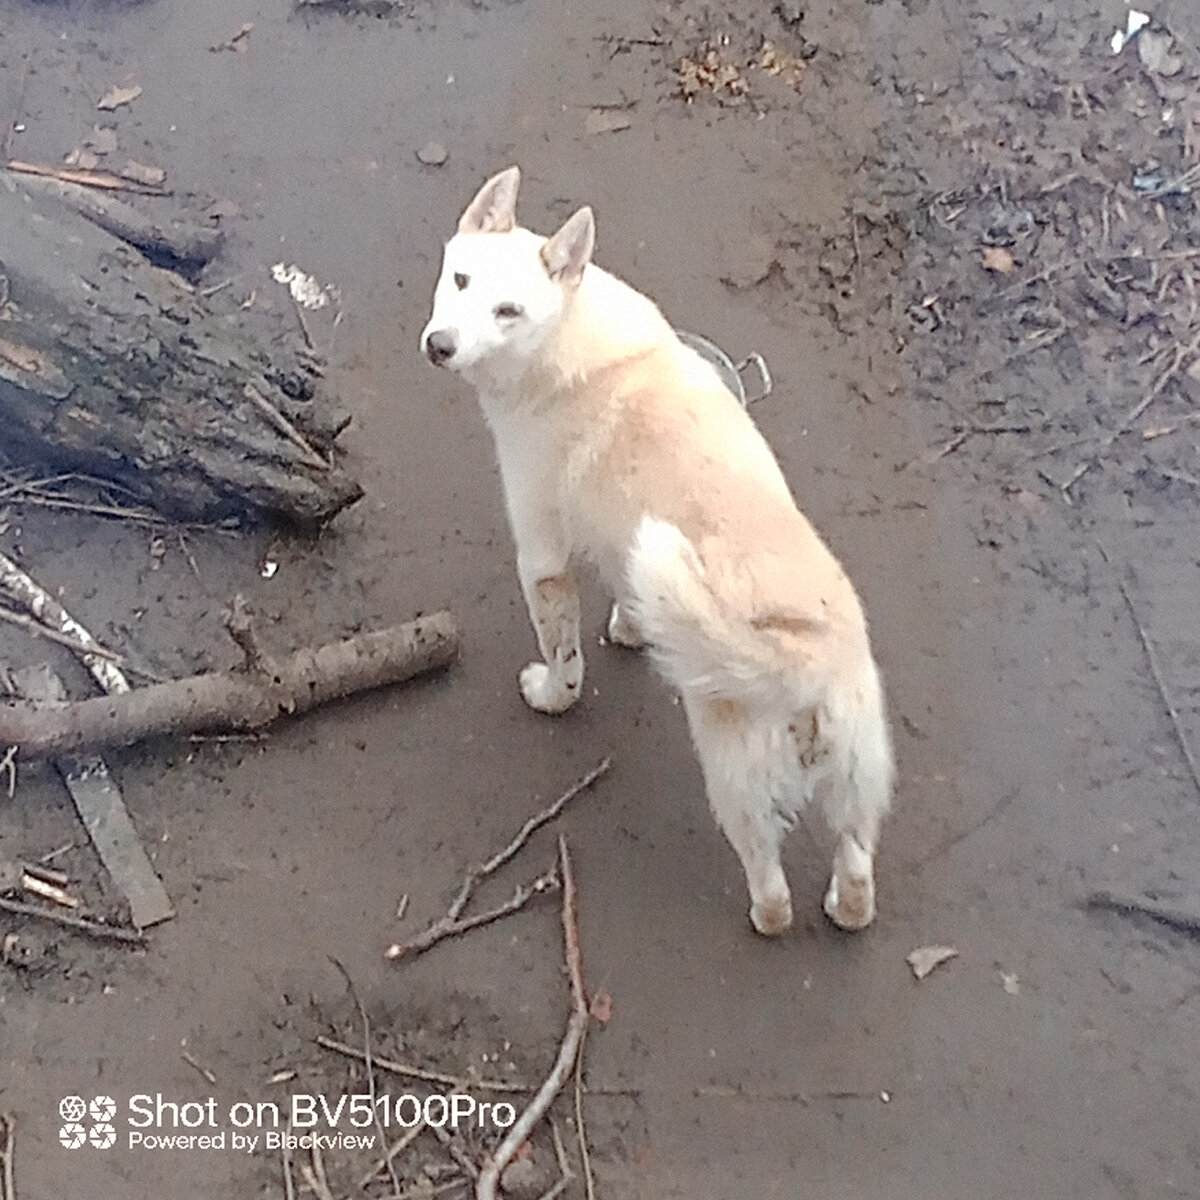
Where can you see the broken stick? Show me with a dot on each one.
(24, 590)
(97, 929)
(453, 923)
(237, 699)
(568, 1051)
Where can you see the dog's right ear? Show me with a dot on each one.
(494, 209)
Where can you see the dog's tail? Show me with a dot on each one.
(697, 641)
(702, 645)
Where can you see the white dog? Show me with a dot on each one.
(619, 445)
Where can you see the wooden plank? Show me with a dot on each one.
(102, 810)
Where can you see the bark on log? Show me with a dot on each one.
(114, 367)
(243, 699)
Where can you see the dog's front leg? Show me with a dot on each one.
(554, 685)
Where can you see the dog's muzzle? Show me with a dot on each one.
(440, 346)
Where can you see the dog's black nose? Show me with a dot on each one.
(440, 346)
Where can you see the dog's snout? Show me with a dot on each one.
(440, 346)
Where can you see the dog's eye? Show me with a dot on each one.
(461, 280)
(508, 310)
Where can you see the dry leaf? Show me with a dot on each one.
(996, 258)
(140, 173)
(927, 958)
(117, 96)
(606, 120)
(86, 159)
(601, 1007)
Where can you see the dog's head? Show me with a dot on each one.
(503, 289)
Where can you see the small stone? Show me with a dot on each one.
(524, 1179)
(433, 154)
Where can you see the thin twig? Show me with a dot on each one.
(304, 329)
(103, 180)
(460, 1083)
(317, 1184)
(448, 927)
(368, 1060)
(394, 1151)
(462, 1160)
(115, 933)
(8, 1185)
(1181, 183)
(585, 1156)
(197, 1065)
(476, 874)
(565, 1175)
(60, 503)
(62, 639)
(282, 425)
(285, 1154)
(568, 1051)
(1156, 671)
(8, 764)
(1177, 361)
(31, 596)
(1174, 918)
(318, 1165)
(527, 831)
(423, 1190)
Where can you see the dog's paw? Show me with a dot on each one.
(544, 692)
(622, 630)
(853, 907)
(773, 916)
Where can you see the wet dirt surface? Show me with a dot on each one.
(957, 241)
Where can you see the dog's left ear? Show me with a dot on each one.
(570, 250)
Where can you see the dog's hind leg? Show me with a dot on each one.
(622, 629)
(855, 802)
(742, 806)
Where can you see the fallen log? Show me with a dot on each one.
(176, 241)
(247, 698)
(113, 367)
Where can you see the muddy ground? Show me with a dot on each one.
(962, 243)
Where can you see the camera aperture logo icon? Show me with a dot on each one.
(102, 1136)
(101, 1110)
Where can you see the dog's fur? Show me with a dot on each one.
(619, 445)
